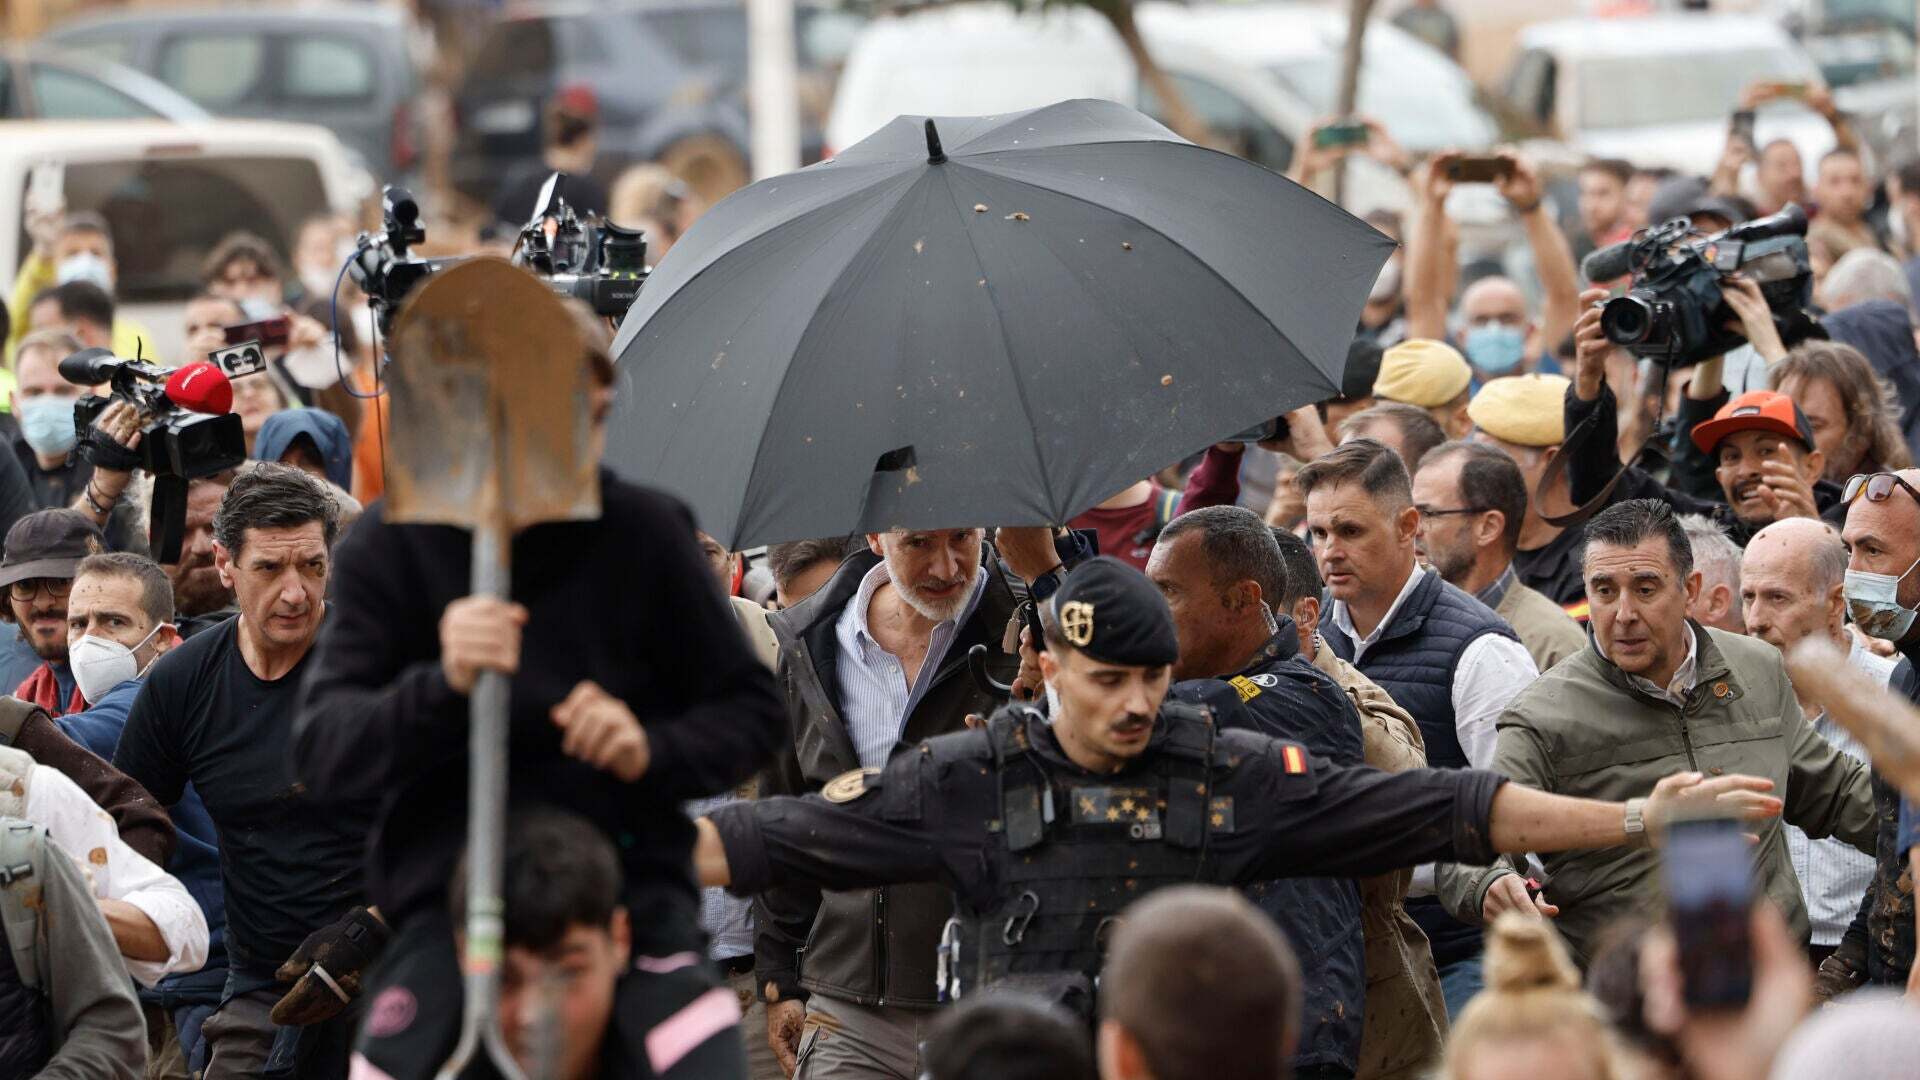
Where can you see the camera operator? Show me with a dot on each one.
(45, 447)
(1759, 446)
(632, 692)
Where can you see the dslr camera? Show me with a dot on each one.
(186, 430)
(1673, 312)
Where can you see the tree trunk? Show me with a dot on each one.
(1182, 119)
(1349, 97)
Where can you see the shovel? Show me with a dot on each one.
(490, 425)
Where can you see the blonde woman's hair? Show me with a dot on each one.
(1532, 992)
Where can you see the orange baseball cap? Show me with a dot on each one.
(1755, 410)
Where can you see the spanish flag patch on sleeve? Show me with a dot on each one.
(1295, 759)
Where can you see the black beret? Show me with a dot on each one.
(1111, 612)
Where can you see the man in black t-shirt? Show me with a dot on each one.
(218, 712)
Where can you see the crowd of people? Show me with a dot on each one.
(1347, 753)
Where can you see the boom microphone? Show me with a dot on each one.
(200, 387)
(1608, 263)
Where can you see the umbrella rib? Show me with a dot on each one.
(1210, 268)
(1013, 369)
(786, 376)
(631, 328)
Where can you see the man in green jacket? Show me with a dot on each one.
(1656, 693)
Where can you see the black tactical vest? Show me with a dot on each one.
(1074, 852)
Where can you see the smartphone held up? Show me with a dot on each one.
(1711, 890)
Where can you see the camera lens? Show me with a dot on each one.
(1626, 320)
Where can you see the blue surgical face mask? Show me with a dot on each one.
(84, 266)
(1495, 348)
(47, 424)
(1874, 602)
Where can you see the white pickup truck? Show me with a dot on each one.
(170, 192)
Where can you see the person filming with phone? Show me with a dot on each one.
(1495, 328)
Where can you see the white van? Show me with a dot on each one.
(170, 192)
(1659, 89)
(1259, 74)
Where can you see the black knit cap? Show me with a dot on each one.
(1111, 612)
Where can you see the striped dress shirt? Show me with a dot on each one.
(875, 699)
(1833, 874)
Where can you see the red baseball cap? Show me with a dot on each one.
(577, 100)
(1755, 410)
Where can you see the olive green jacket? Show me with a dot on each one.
(1584, 730)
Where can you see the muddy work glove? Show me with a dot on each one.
(326, 969)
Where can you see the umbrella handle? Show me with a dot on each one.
(977, 667)
(486, 838)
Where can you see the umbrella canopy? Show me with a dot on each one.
(976, 321)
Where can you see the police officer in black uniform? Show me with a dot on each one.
(1220, 569)
(1047, 831)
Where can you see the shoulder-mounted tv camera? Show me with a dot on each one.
(591, 260)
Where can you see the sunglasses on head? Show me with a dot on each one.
(1877, 487)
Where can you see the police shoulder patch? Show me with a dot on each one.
(849, 785)
(1267, 680)
(1246, 687)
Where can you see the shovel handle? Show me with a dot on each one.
(486, 839)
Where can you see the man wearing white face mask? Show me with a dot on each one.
(1882, 588)
(120, 619)
(73, 247)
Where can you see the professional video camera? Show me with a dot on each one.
(384, 266)
(593, 260)
(186, 430)
(1674, 312)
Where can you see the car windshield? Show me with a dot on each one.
(167, 214)
(1425, 103)
(1676, 88)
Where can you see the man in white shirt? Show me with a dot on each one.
(1443, 655)
(156, 924)
(1790, 590)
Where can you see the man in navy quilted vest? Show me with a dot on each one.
(1444, 656)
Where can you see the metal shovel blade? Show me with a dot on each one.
(490, 404)
(490, 407)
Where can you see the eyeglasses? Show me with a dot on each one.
(57, 588)
(1430, 511)
(1877, 487)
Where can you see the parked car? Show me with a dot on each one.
(1658, 90)
(41, 83)
(1258, 74)
(1425, 100)
(346, 68)
(670, 78)
(171, 191)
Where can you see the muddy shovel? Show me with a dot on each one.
(489, 389)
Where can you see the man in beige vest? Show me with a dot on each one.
(1472, 499)
(1406, 1018)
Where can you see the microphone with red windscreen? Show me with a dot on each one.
(200, 387)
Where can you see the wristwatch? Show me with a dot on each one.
(1636, 825)
(1047, 584)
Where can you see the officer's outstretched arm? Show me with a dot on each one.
(1526, 820)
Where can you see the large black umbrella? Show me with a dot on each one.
(996, 320)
